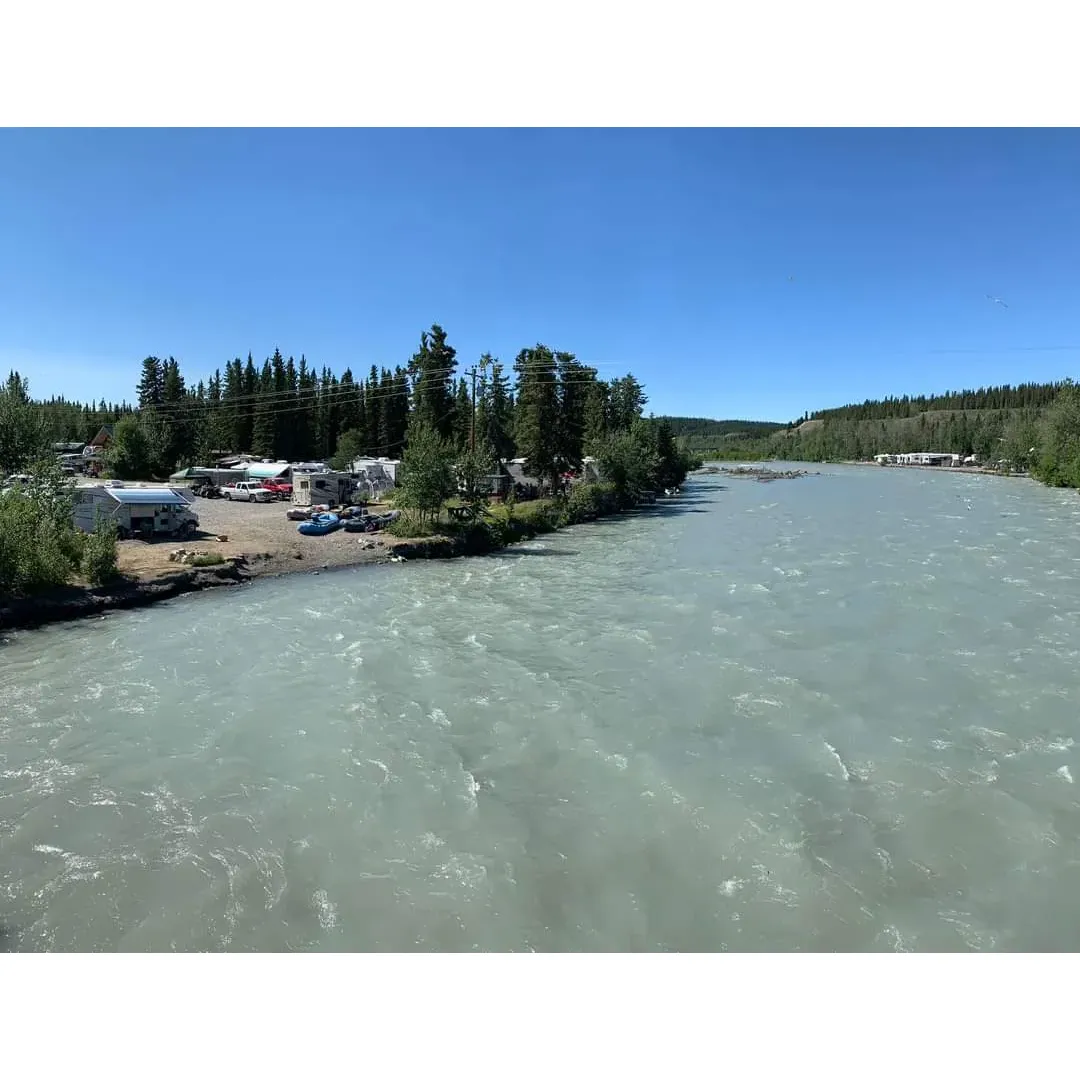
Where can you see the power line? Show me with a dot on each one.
(183, 412)
(227, 411)
(311, 392)
(224, 412)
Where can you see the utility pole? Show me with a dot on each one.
(472, 426)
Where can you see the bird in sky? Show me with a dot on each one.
(996, 300)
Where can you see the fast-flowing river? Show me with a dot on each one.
(832, 713)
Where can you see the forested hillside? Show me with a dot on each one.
(993, 398)
(991, 434)
(720, 438)
(1032, 426)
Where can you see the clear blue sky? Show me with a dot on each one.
(666, 253)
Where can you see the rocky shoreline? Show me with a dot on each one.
(82, 602)
(755, 472)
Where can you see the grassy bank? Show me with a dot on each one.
(503, 525)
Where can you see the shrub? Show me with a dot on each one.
(586, 502)
(212, 558)
(410, 527)
(37, 551)
(99, 553)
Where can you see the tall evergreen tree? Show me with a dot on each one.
(150, 387)
(574, 380)
(537, 412)
(498, 410)
(596, 415)
(374, 411)
(462, 416)
(264, 426)
(432, 369)
(627, 400)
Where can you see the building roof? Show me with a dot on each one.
(261, 470)
(146, 496)
(519, 476)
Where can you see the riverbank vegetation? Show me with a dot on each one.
(637, 458)
(40, 549)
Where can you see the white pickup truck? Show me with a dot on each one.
(248, 491)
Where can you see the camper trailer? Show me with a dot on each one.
(322, 489)
(141, 512)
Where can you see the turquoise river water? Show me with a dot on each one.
(832, 713)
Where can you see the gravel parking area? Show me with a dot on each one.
(262, 534)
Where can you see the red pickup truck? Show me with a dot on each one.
(281, 488)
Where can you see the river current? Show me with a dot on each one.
(831, 713)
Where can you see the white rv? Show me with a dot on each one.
(141, 512)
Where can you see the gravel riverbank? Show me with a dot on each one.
(261, 537)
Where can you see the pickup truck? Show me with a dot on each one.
(247, 491)
(281, 489)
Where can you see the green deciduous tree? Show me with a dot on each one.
(1058, 462)
(352, 444)
(427, 474)
(473, 467)
(129, 455)
(39, 547)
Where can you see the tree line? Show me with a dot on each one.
(545, 406)
(718, 436)
(1023, 396)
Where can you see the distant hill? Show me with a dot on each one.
(700, 435)
(1024, 396)
(995, 422)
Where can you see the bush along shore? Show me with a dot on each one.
(501, 526)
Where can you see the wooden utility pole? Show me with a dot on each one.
(472, 427)
(472, 423)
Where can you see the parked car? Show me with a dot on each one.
(248, 491)
(114, 483)
(281, 489)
